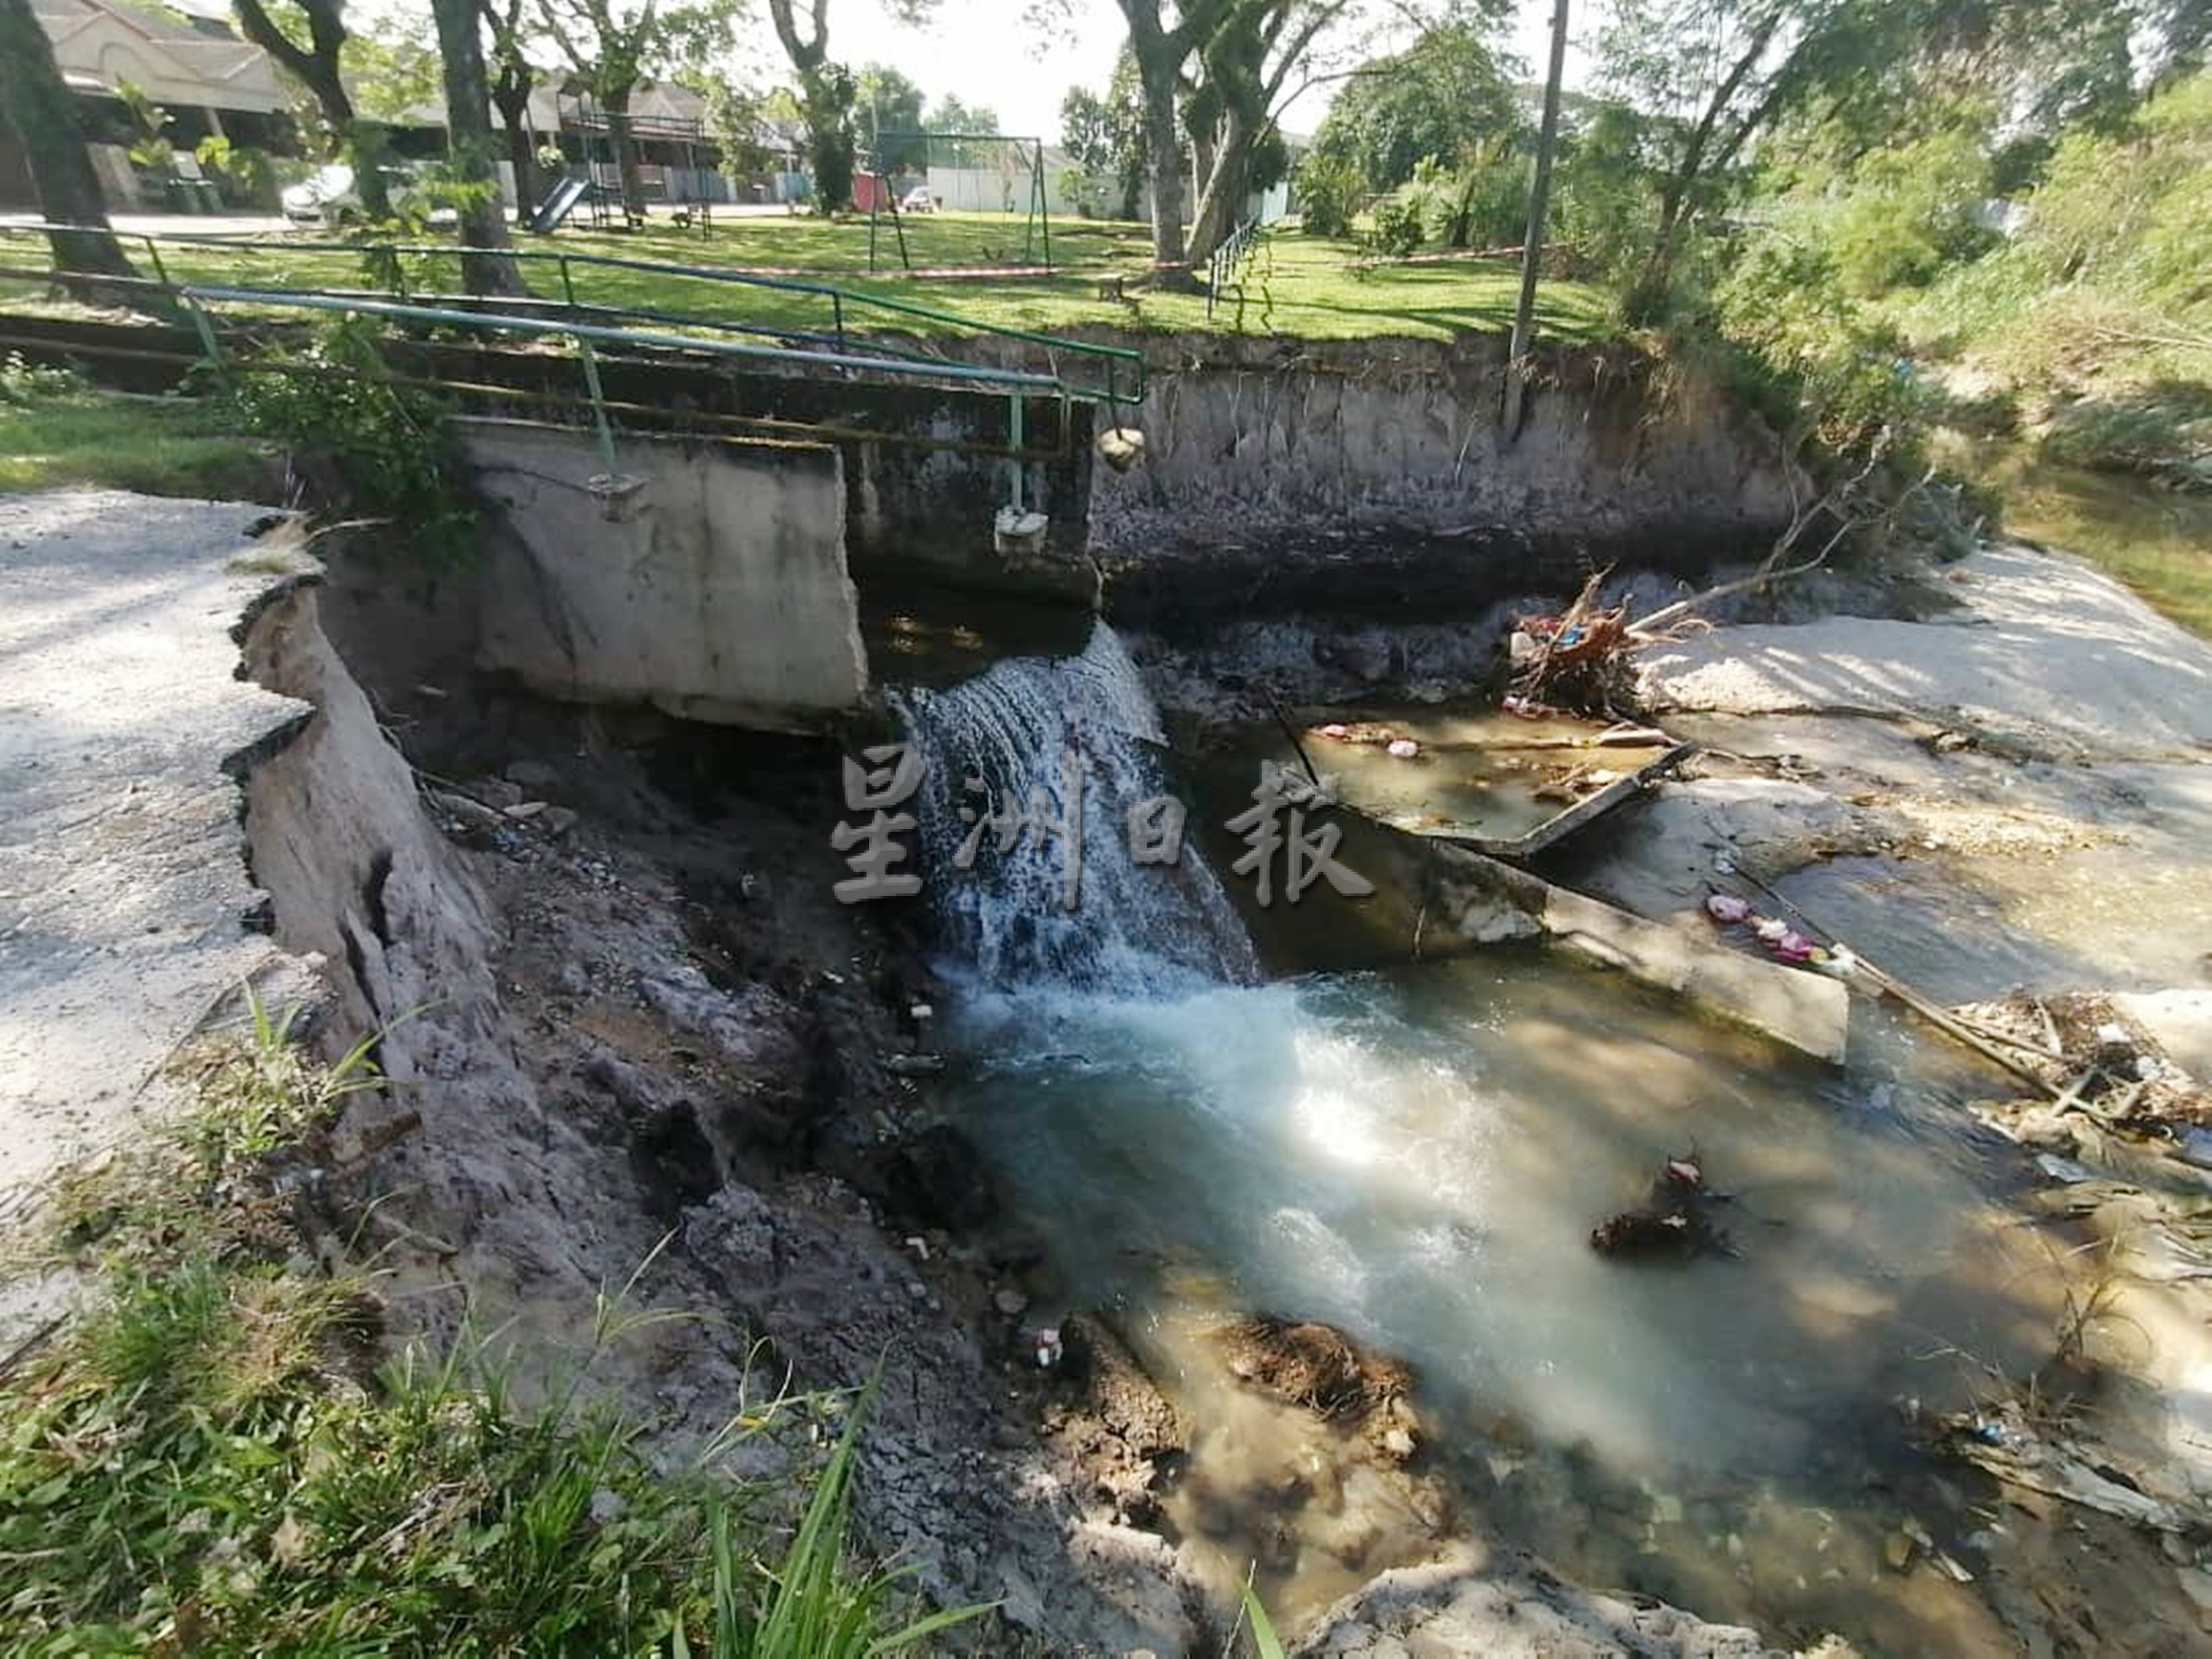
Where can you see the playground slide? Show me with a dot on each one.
(559, 205)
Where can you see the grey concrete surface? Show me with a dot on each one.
(123, 879)
(2043, 647)
(715, 591)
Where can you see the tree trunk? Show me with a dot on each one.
(615, 105)
(316, 68)
(1164, 142)
(521, 153)
(469, 143)
(37, 103)
(1674, 197)
(1221, 203)
(1532, 244)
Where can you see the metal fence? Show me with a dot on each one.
(844, 325)
(1221, 265)
(228, 317)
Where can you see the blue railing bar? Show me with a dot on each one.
(620, 336)
(471, 302)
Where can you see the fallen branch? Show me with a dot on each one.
(1650, 630)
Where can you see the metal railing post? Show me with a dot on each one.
(602, 428)
(208, 342)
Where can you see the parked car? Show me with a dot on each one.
(918, 200)
(330, 197)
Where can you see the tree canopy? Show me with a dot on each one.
(1445, 95)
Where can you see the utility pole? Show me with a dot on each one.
(1531, 251)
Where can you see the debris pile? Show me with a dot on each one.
(2092, 1058)
(1307, 1363)
(1319, 1369)
(1575, 659)
(1780, 940)
(1676, 1223)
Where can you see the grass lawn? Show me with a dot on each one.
(1308, 288)
(157, 446)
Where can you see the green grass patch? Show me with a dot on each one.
(1295, 285)
(2157, 541)
(214, 1461)
(55, 432)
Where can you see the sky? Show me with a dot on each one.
(982, 54)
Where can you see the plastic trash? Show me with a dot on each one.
(1794, 947)
(1770, 931)
(1337, 730)
(1726, 908)
(1402, 748)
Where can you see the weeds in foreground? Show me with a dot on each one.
(212, 1461)
(1265, 1643)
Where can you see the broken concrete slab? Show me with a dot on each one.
(1488, 901)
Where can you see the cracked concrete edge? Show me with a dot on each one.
(129, 731)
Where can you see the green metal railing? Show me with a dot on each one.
(1122, 369)
(1019, 387)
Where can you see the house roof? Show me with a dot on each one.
(101, 44)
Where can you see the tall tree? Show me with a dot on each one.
(826, 92)
(948, 115)
(1722, 71)
(1532, 244)
(468, 144)
(886, 101)
(1105, 136)
(614, 46)
(513, 79)
(36, 102)
(1160, 49)
(317, 66)
(1259, 55)
(1444, 96)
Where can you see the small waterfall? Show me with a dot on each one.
(1137, 928)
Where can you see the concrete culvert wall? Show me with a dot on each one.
(710, 581)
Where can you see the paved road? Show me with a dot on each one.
(122, 873)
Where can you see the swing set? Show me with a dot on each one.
(967, 190)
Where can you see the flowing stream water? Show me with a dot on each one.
(1416, 1156)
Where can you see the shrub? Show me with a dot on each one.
(1327, 191)
(207, 1461)
(393, 443)
(1397, 224)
